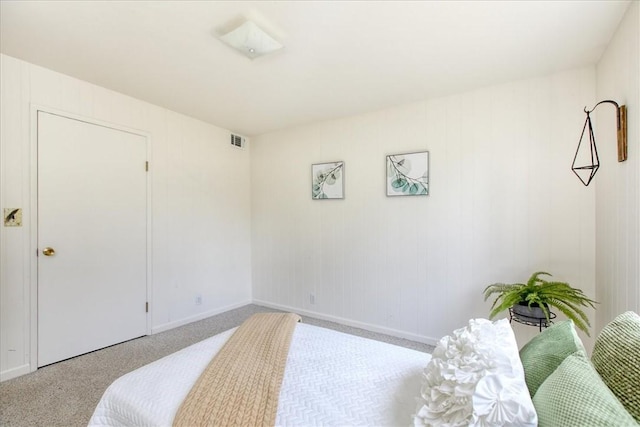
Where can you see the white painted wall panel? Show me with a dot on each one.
(618, 184)
(200, 204)
(208, 215)
(14, 247)
(503, 203)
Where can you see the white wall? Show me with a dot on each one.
(200, 211)
(618, 184)
(503, 204)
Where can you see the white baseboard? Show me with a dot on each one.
(170, 325)
(353, 323)
(14, 372)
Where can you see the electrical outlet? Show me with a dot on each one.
(312, 298)
(198, 299)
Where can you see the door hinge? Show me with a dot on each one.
(146, 166)
(146, 307)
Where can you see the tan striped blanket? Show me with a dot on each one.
(241, 384)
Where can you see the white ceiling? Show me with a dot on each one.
(340, 58)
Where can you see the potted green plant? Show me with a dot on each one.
(540, 294)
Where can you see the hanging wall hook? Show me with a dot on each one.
(586, 162)
(621, 125)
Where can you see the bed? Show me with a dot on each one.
(331, 378)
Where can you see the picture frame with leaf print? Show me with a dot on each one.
(327, 180)
(408, 174)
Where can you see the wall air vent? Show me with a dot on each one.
(238, 141)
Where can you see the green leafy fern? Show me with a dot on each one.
(540, 292)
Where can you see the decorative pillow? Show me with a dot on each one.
(475, 377)
(574, 395)
(616, 357)
(546, 351)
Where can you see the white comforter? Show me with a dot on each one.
(331, 379)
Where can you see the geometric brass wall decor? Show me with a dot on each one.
(586, 162)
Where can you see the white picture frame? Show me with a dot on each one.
(408, 174)
(327, 180)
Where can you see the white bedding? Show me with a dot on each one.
(331, 379)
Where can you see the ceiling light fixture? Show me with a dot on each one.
(251, 40)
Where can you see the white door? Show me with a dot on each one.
(92, 213)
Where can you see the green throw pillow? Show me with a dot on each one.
(574, 395)
(546, 351)
(616, 357)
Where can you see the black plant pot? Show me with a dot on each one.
(523, 311)
(533, 315)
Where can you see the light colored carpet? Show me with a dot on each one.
(66, 393)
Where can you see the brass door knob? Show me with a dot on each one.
(48, 252)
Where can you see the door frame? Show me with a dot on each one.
(33, 218)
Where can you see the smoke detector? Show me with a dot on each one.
(251, 40)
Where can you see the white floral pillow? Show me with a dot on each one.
(475, 378)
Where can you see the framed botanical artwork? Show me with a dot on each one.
(327, 180)
(408, 174)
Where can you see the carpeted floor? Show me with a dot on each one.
(66, 393)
